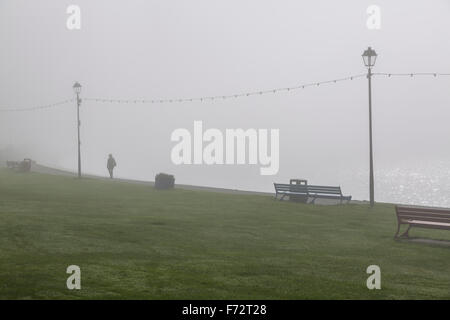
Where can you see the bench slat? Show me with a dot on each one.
(424, 218)
(423, 210)
(429, 222)
(421, 213)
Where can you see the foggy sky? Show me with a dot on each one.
(170, 49)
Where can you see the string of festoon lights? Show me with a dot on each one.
(40, 107)
(434, 74)
(229, 96)
(223, 97)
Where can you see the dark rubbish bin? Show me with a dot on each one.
(299, 197)
(164, 181)
(25, 165)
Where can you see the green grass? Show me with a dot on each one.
(133, 242)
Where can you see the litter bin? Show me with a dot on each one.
(25, 165)
(299, 197)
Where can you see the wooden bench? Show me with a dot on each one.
(310, 191)
(421, 217)
(21, 166)
(327, 192)
(12, 164)
(286, 189)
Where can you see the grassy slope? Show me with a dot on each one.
(134, 242)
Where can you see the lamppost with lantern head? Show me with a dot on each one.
(369, 57)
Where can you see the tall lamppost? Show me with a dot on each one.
(369, 58)
(77, 90)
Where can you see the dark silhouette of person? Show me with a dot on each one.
(110, 165)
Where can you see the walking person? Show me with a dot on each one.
(110, 165)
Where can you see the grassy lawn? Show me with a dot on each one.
(133, 242)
